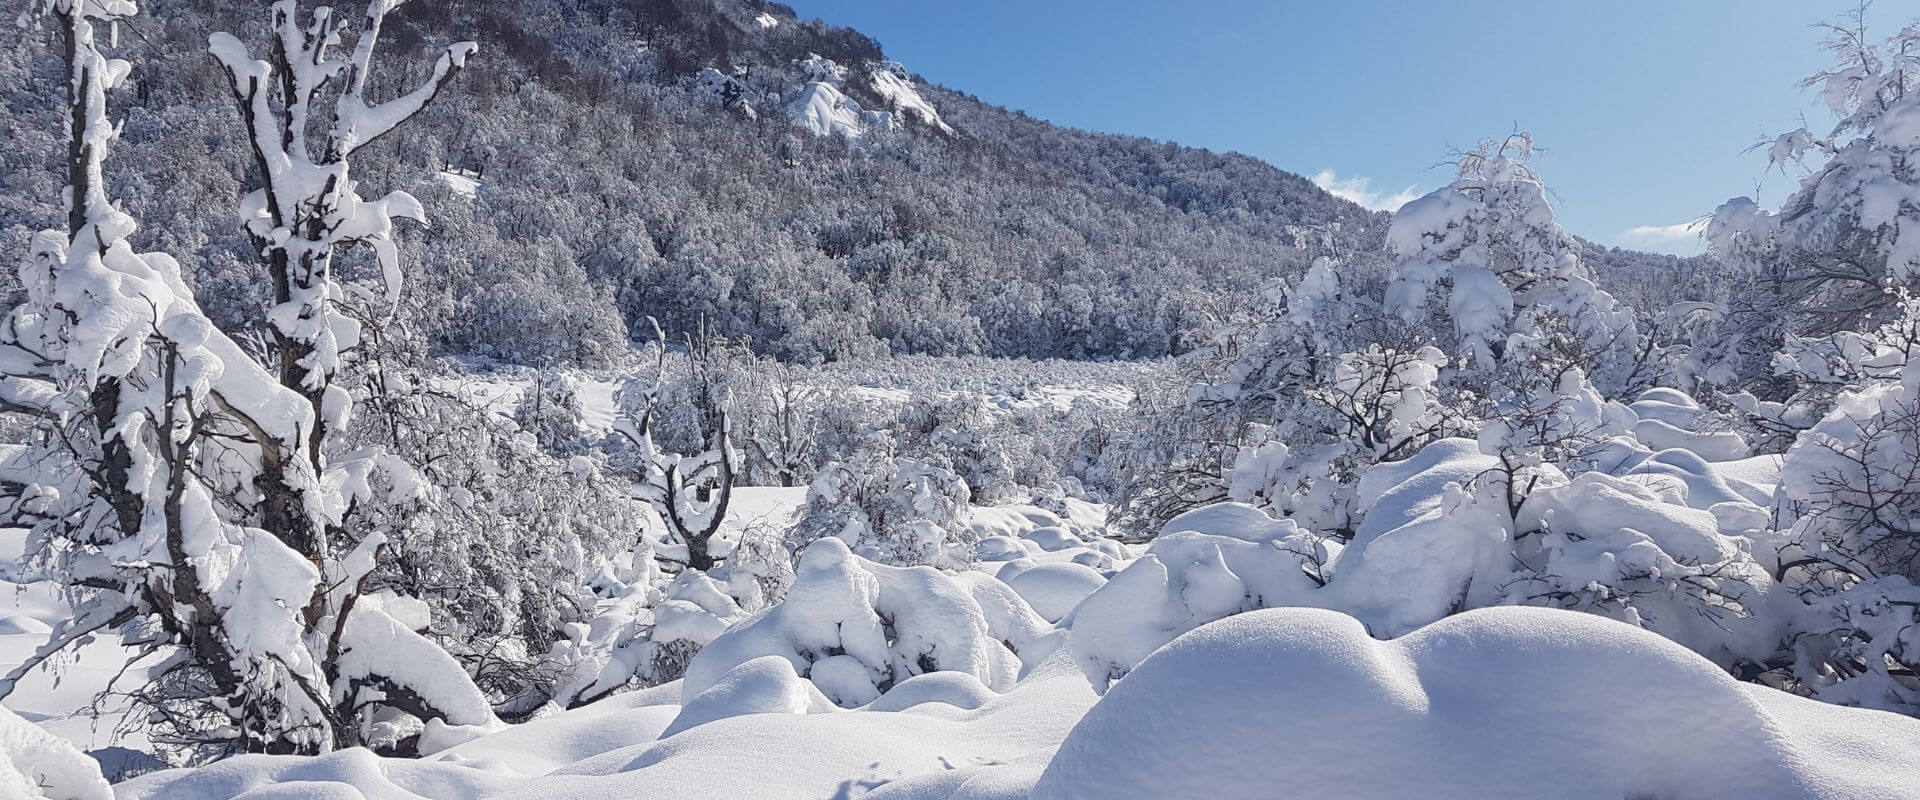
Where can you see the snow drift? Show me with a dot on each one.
(1495, 703)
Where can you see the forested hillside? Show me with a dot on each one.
(603, 177)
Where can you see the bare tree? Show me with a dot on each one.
(689, 492)
(786, 442)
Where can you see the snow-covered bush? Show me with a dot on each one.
(504, 567)
(959, 432)
(1855, 473)
(643, 635)
(1853, 551)
(856, 628)
(1629, 549)
(895, 510)
(1322, 388)
(552, 411)
(1205, 565)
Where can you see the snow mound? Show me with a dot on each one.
(1018, 536)
(1671, 419)
(955, 689)
(765, 685)
(1054, 540)
(12, 624)
(1236, 520)
(856, 628)
(1396, 493)
(1055, 589)
(998, 548)
(1398, 578)
(1507, 702)
(1186, 580)
(35, 763)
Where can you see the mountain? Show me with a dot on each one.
(705, 161)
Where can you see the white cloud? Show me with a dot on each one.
(1680, 236)
(1360, 190)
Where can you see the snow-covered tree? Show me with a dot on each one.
(1852, 555)
(1824, 261)
(783, 438)
(1484, 259)
(888, 508)
(309, 206)
(690, 493)
(179, 493)
(1325, 387)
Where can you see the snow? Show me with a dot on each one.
(822, 107)
(937, 725)
(1055, 589)
(891, 81)
(35, 763)
(459, 183)
(1506, 702)
(823, 110)
(766, 20)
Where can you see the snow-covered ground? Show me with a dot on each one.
(1498, 703)
(1502, 702)
(501, 390)
(460, 183)
(62, 697)
(1493, 703)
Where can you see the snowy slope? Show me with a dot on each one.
(823, 110)
(890, 80)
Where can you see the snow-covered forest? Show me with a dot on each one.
(580, 399)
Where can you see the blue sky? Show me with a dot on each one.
(1645, 108)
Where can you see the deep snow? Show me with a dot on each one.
(1495, 703)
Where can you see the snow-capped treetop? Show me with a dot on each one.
(1483, 235)
(1488, 244)
(1870, 184)
(309, 204)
